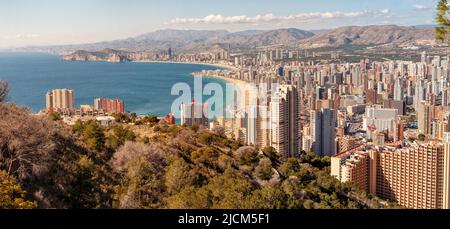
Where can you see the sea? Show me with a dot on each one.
(145, 87)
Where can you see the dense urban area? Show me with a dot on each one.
(356, 117)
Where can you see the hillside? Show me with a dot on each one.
(108, 55)
(252, 39)
(155, 166)
(391, 35)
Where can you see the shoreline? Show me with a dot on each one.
(196, 63)
(230, 80)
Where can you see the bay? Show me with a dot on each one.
(144, 87)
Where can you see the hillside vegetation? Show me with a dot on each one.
(46, 164)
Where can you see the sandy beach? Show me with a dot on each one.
(197, 63)
(241, 83)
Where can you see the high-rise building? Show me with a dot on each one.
(323, 131)
(112, 106)
(380, 119)
(169, 53)
(60, 100)
(194, 114)
(285, 121)
(425, 115)
(419, 94)
(446, 172)
(415, 177)
(398, 90)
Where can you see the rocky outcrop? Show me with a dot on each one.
(107, 55)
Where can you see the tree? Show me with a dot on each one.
(11, 194)
(247, 155)
(229, 190)
(93, 136)
(78, 126)
(264, 170)
(142, 168)
(207, 156)
(85, 186)
(206, 138)
(55, 116)
(443, 30)
(290, 167)
(42, 155)
(269, 197)
(271, 153)
(4, 90)
(178, 175)
(119, 136)
(121, 118)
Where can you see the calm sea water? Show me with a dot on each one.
(144, 87)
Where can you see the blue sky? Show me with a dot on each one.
(42, 22)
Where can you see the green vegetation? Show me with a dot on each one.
(4, 89)
(90, 166)
(150, 119)
(443, 30)
(421, 137)
(11, 194)
(55, 116)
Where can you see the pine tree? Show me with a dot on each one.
(443, 29)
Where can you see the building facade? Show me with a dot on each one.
(60, 100)
(415, 177)
(323, 131)
(194, 114)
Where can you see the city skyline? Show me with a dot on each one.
(49, 22)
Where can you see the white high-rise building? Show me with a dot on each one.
(61, 100)
(194, 114)
(380, 119)
(398, 89)
(418, 93)
(285, 121)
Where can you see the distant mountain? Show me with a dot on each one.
(181, 35)
(427, 26)
(391, 35)
(188, 41)
(254, 38)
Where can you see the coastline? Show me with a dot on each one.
(196, 63)
(230, 80)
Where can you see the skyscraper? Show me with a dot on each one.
(398, 90)
(194, 114)
(113, 106)
(285, 121)
(380, 119)
(323, 131)
(425, 115)
(418, 93)
(60, 100)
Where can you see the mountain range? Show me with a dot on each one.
(203, 40)
(391, 35)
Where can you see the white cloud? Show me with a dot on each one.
(26, 36)
(421, 7)
(271, 18)
(385, 11)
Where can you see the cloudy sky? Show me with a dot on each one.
(43, 22)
